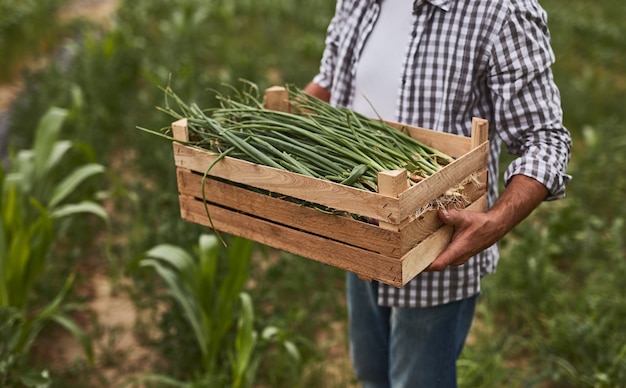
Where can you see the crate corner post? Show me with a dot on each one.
(180, 130)
(480, 132)
(277, 98)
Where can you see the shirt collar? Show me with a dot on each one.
(443, 4)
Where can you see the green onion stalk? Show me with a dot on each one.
(315, 139)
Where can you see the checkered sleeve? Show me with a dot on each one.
(330, 55)
(528, 101)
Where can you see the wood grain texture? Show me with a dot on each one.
(349, 258)
(296, 216)
(332, 195)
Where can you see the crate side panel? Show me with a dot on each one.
(336, 227)
(448, 143)
(363, 263)
(333, 195)
(420, 257)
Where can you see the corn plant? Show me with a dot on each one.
(34, 197)
(216, 308)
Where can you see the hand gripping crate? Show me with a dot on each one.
(251, 201)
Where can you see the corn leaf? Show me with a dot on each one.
(77, 332)
(35, 323)
(72, 181)
(59, 149)
(208, 247)
(245, 343)
(184, 300)
(175, 257)
(46, 135)
(39, 237)
(81, 207)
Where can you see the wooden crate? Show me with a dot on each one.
(250, 200)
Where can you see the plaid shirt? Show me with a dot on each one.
(467, 58)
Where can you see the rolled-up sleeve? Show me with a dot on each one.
(529, 118)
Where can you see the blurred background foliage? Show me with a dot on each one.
(554, 313)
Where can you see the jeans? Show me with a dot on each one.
(405, 347)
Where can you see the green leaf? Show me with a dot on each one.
(208, 249)
(185, 301)
(81, 207)
(72, 181)
(59, 149)
(246, 335)
(22, 173)
(19, 253)
(35, 323)
(36, 379)
(239, 255)
(245, 341)
(4, 298)
(46, 135)
(176, 257)
(77, 332)
(39, 238)
(292, 350)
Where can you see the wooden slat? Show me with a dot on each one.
(345, 229)
(450, 144)
(333, 195)
(359, 261)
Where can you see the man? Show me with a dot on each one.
(436, 64)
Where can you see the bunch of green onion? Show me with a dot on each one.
(318, 140)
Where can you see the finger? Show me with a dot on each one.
(444, 259)
(450, 216)
(447, 258)
(451, 255)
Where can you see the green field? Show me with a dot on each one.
(552, 316)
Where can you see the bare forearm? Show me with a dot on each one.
(521, 196)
